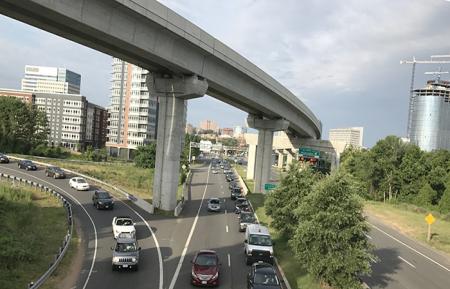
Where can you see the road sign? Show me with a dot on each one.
(269, 186)
(430, 219)
(308, 152)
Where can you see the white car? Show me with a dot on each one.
(79, 184)
(123, 224)
(214, 171)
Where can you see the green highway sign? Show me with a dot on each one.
(308, 152)
(269, 186)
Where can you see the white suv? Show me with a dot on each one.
(123, 224)
(79, 184)
(258, 244)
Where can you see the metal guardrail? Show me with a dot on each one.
(65, 244)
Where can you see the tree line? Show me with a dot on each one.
(396, 171)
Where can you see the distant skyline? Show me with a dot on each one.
(341, 58)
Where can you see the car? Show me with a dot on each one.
(236, 192)
(123, 224)
(102, 200)
(4, 159)
(232, 184)
(214, 171)
(245, 219)
(205, 268)
(241, 204)
(55, 173)
(125, 254)
(229, 177)
(214, 205)
(263, 276)
(79, 184)
(27, 165)
(258, 244)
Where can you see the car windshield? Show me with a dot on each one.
(260, 240)
(206, 260)
(124, 222)
(81, 181)
(27, 163)
(247, 218)
(241, 202)
(214, 201)
(58, 170)
(265, 278)
(103, 195)
(126, 247)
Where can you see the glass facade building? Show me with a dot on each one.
(430, 116)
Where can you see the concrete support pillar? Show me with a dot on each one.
(280, 159)
(290, 157)
(251, 158)
(263, 163)
(172, 93)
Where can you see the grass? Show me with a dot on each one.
(296, 274)
(241, 170)
(134, 180)
(33, 225)
(410, 220)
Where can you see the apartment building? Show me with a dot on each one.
(51, 80)
(24, 96)
(132, 111)
(341, 138)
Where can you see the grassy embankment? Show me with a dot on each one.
(134, 180)
(410, 220)
(296, 274)
(33, 225)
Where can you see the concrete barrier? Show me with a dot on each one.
(186, 188)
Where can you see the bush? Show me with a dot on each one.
(43, 150)
(145, 156)
(426, 196)
(444, 203)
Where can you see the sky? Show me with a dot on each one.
(341, 58)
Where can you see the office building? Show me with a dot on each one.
(430, 116)
(51, 80)
(341, 138)
(132, 111)
(24, 96)
(209, 125)
(96, 125)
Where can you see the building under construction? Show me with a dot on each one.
(430, 116)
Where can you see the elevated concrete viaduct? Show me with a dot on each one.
(184, 59)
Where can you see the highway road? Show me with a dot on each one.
(178, 239)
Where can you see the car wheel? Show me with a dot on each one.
(54, 176)
(26, 169)
(136, 268)
(98, 207)
(248, 261)
(114, 268)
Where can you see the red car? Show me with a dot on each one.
(205, 269)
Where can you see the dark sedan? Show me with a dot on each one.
(263, 276)
(102, 200)
(55, 173)
(4, 159)
(27, 165)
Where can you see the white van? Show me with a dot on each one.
(258, 244)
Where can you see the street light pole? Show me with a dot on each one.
(190, 149)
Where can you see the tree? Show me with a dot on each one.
(360, 164)
(444, 203)
(426, 196)
(145, 156)
(412, 172)
(22, 126)
(281, 203)
(230, 142)
(331, 237)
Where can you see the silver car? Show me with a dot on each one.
(125, 253)
(214, 205)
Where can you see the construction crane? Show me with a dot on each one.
(438, 73)
(435, 59)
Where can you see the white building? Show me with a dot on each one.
(239, 131)
(341, 138)
(132, 111)
(51, 80)
(205, 146)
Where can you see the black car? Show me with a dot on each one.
(4, 159)
(242, 205)
(102, 200)
(229, 178)
(236, 192)
(27, 165)
(55, 173)
(263, 276)
(245, 219)
(232, 184)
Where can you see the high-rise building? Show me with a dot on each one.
(430, 116)
(209, 125)
(51, 80)
(341, 138)
(132, 111)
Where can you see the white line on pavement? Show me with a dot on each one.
(226, 228)
(411, 248)
(183, 254)
(373, 260)
(229, 260)
(368, 236)
(406, 262)
(225, 211)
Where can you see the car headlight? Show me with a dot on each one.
(193, 274)
(249, 252)
(116, 259)
(215, 276)
(100, 203)
(133, 260)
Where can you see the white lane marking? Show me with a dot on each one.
(183, 254)
(406, 262)
(229, 260)
(373, 260)
(368, 236)
(89, 216)
(226, 228)
(411, 248)
(225, 211)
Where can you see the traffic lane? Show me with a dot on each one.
(102, 275)
(403, 267)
